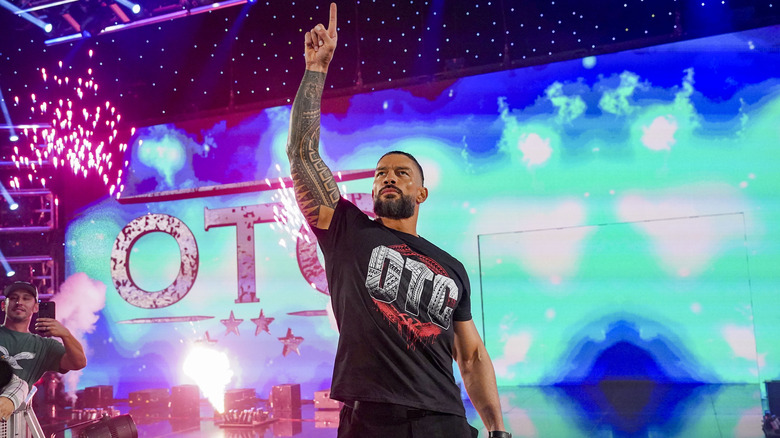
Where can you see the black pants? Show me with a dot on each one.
(382, 420)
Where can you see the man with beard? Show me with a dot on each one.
(402, 305)
(29, 354)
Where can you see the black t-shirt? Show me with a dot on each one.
(395, 297)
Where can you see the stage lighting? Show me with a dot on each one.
(13, 205)
(7, 266)
(121, 426)
(134, 7)
(23, 13)
(14, 137)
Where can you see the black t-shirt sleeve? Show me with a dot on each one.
(327, 238)
(463, 311)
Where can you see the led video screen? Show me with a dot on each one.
(615, 208)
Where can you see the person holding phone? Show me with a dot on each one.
(29, 354)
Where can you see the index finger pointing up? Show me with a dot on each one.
(332, 22)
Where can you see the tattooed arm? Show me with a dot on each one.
(315, 189)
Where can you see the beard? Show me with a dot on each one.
(16, 317)
(401, 207)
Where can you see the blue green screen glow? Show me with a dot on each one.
(618, 217)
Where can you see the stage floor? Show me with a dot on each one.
(614, 409)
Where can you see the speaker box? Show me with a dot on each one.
(240, 399)
(326, 419)
(773, 396)
(185, 401)
(322, 400)
(287, 427)
(149, 398)
(286, 398)
(98, 396)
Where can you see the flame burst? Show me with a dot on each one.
(210, 369)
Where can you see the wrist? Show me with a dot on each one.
(317, 68)
(499, 434)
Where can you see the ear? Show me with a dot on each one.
(422, 195)
(36, 307)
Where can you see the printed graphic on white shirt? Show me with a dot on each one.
(13, 360)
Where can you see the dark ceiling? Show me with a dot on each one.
(216, 58)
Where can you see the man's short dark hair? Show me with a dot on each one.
(411, 157)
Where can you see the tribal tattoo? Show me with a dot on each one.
(313, 181)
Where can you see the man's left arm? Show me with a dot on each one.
(478, 375)
(74, 357)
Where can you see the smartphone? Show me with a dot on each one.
(46, 309)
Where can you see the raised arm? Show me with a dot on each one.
(315, 189)
(74, 357)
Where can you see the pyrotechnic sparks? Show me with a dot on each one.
(84, 134)
(288, 216)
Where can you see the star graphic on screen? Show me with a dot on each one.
(290, 343)
(262, 323)
(232, 324)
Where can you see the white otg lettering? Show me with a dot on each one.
(384, 280)
(444, 290)
(384, 287)
(420, 273)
